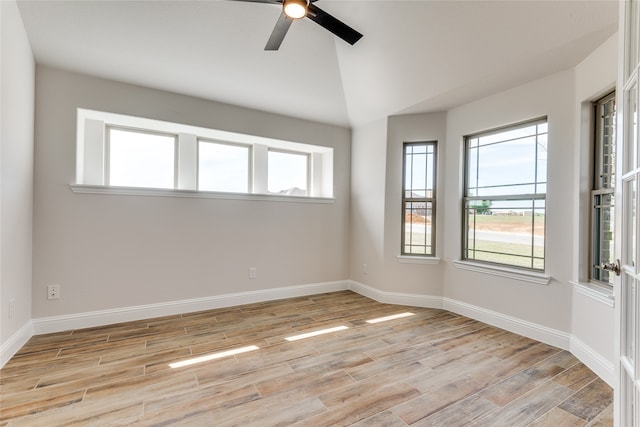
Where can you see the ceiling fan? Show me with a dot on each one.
(298, 9)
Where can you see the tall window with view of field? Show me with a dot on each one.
(504, 196)
(603, 192)
(418, 199)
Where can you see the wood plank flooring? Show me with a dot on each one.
(430, 368)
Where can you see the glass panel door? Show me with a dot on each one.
(629, 367)
(627, 390)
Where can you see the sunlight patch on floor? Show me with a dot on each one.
(316, 333)
(391, 317)
(213, 356)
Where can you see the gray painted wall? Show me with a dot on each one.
(547, 305)
(110, 251)
(16, 195)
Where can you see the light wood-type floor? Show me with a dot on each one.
(431, 368)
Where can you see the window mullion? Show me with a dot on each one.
(187, 162)
(260, 168)
(107, 156)
(91, 155)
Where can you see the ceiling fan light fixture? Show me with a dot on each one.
(295, 9)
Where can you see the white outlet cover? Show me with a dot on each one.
(53, 291)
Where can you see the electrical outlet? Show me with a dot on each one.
(252, 273)
(53, 292)
(365, 268)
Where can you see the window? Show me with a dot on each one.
(504, 195)
(418, 198)
(288, 173)
(140, 159)
(223, 167)
(602, 195)
(129, 155)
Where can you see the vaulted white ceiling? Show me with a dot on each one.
(415, 56)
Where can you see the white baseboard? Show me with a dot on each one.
(598, 364)
(398, 298)
(593, 360)
(525, 328)
(140, 312)
(15, 343)
(512, 324)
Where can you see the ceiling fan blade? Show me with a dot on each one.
(261, 1)
(332, 24)
(278, 33)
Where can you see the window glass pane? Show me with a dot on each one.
(633, 141)
(631, 121)
(508, 167)
(507, 135)
(419, 171)
(538, 233)
(417, 228)
(287, 173)
(603, 243)
(633, 33)
(628, 410)
(629, 288)
(543, 127)
(473, 158)
(629, 217)
(223, 167)
(606, 144)
(541, 164)
(507, 232)
(504, 198)
(140, 159)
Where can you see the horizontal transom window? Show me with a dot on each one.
(115, 150)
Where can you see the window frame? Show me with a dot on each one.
(427, 200)
(107, 153)
(249, 148)
(599, 190)
(309, 174)
(533, 197)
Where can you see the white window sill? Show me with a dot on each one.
(510, 273)
(595, 292)
(161, 192)
(410, 259)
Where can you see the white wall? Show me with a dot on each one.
(407, 277)
(16, 178)
(109, 251)
(376, 208)
(592, 322)
(546, 305)
(368, 147)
